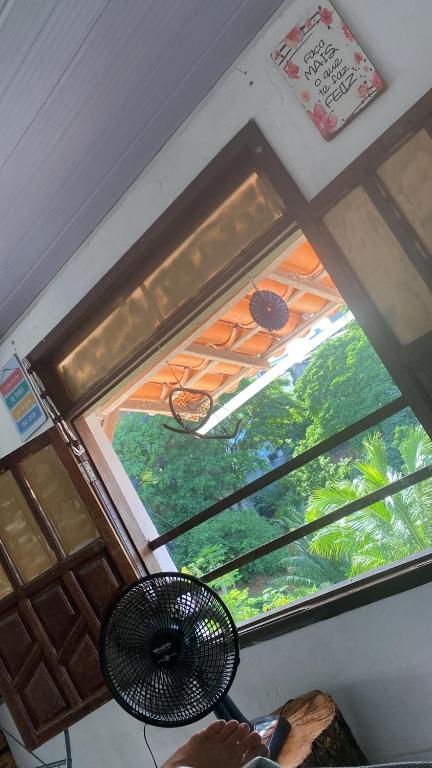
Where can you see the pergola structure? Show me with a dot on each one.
(230, 345)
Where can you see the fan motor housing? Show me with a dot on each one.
(166, 647)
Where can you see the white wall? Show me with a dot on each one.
(395, 34)
(376, 661)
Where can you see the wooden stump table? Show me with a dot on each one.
(319, 735)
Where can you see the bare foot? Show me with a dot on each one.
(221, 744)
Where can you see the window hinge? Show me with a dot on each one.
(87, 471)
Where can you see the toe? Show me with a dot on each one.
(227, 731)
(252, 740)
(239, 737)
(214, 729)
(260, 750)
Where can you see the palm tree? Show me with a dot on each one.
(306, 570)
(388, 530)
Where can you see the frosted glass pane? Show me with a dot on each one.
(20, 532)
(59, 499)
(245, 215)
(407, 175)
(5, 585)
(382, 265)
(109, 343)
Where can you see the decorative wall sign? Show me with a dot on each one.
(20, 400)
(328, 71)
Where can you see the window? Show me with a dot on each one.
(276, 513)
(329, 476)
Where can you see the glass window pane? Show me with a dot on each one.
(382, 265)
(340, 382)
(373, 538)
(59, 499)
(407, 175)
(245, 215)
(20, 532)
(386, 532)
(109, 343)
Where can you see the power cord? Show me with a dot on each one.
(149, 747)
(57, 763)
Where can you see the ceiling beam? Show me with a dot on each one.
(306, 285)
(272, 269)
(248, 335)
(140, 405)
(226, 356)
(199, 374)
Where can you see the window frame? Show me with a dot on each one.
(249, 150)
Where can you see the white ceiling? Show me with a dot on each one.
(90, 90)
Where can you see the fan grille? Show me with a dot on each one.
(189, 686)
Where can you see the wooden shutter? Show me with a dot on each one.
(382, 226)
(61, 564)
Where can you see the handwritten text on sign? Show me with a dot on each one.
(19, 399)
(328, 71)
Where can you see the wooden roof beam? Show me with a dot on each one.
(305, 284)
(139, 405)
(226, 356)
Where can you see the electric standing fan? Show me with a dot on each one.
(169, 652)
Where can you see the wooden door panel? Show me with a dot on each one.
(100, 582)
(57, 614)
(84, 669)
(42, 698)
(49, 663)
(16, 642)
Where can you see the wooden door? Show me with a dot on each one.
(61, 565)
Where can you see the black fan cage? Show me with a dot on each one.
(191, 615)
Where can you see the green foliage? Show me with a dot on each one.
(388, 530)
(238, 600)
(344, 381)
(177, 476)
(235, 531)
